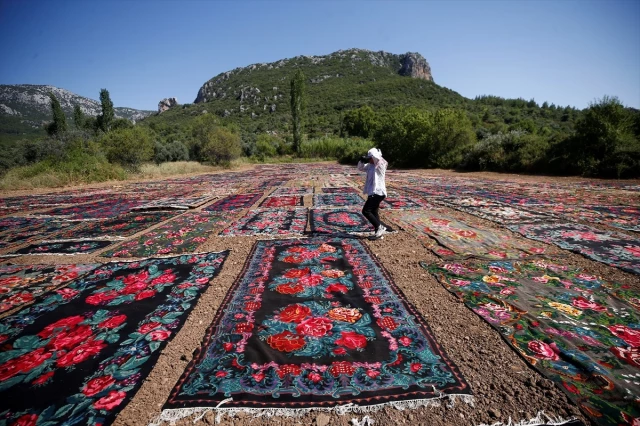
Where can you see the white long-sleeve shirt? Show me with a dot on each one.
(374, 184)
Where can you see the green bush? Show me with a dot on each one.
(128, 147)
(266, 146)
(221, 146)
(451, 136)
(416, 138)
(605, 143)
(172, 151)
(342, 149)
(361, 122)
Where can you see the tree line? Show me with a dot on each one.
(605, 140)
(489, 133)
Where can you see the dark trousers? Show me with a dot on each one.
(370, 210)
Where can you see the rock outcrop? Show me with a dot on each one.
(415, 66)
(166, 103)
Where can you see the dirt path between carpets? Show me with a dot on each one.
(504, 386)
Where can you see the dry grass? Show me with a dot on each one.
(148, 171)
(45, 176)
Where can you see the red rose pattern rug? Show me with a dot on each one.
(615, 249)
(60, 248)
(180, 235)
(283, 201)
(342, 220)
(269, 222)
(337, 200)
(118, 227)
(21, 284)
(578, 330)
(458, 240)
(234, 202)
(314, 323)
(78, 355)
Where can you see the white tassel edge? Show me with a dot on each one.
(173, 415)
(540, 419)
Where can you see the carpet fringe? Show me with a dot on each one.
(173, 415)
(540, 419)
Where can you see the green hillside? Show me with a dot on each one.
(335, 83)
(355, 99)
(256, 98)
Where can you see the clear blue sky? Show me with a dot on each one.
(563, 51)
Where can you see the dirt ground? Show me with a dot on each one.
(504, 386)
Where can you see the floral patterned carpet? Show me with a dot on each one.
(318, 323)
(324, 325)
(76, 356)
(577, 329)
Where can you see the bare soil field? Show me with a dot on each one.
(504, 386)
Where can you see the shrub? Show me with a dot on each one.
(345, 150)
(121, 123)
(360, 122)
(415, 138)
(221, 146)
(513, 151)
(266, 146)
(450, 137)
(605, 143)
(172, 151)
(128, 147)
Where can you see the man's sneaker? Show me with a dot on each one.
(381, 231)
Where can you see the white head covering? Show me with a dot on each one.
(375, 153)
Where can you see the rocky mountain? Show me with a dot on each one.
(256, 97)
(24, 107)
(410, 64)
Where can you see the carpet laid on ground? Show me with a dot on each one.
(180, 235)
(343, 220)
(403, 202)
(118, 227)
(281, 201)
(337, 200)
(493, 210)
(623, 217)
(21, 284)
(615, 249)
(291, 190)
(340, 190)
(234, 202)
(458, 240)
(576, 329)
(314, 324)
(269, 222)
(78, 356)
(60, 248)
(183, 202)
(37, 229)
(102, 209)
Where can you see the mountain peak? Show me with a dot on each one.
(25, 107)
(317, 69)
